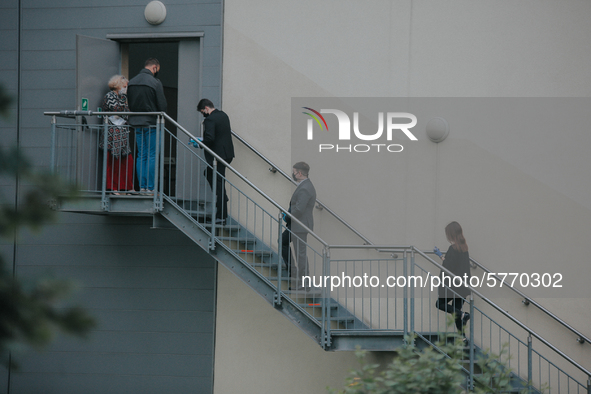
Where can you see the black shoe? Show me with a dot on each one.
(465, 342)
(465, 318)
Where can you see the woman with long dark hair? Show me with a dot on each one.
(456, 260)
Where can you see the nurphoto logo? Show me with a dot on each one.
(396, 122)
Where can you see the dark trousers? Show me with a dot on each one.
(455, 308)
(301, 267)
(221, 202)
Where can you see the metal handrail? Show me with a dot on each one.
(481, 296)
(245, 180)
(509, 316)
(275, 168)
(581, 337)
(207, 149)
(528, 300)
(326, 245)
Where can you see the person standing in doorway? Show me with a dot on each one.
(301, 206)
(217, 136)
(146, 94)
(119, 158)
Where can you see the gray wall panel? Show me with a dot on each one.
(211, 56)
(35, 122)
(100, 384)
(142, 342)
(130, 277)
(37, 137)
(57, 40)
(211, 76)
(154, 306)
(38, 157)
(9, 19)
(96, 234)
(213, 36)
(145, 299)
(93, 4)
(105, 256)
(104, 17)
(9, 62)
(118, 364)
(48, 4)
(152, 290)
(9, 41)
(9, 5)
(49, 79)
(47, 60)
(4, 376)
(156, 321)
(44, 99)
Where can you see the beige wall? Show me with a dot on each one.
(522, 197)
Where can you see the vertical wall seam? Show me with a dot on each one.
(16, 181)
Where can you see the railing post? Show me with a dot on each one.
(326, 342)
(104, 199)
(277, 300)
(412, 292)
(159, 161)
(159, 192)
(53, 142)
(530, 375)
(471, 342)
(589, 385)
(405, 293)
(213, 202)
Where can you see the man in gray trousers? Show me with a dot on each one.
(301, 207)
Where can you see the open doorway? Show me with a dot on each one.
(180, 71)
(133, 56)
(180, 59)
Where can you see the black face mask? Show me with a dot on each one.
(205, 114)
(294, 177)
(156, 74)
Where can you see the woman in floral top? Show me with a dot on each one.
(119, 157)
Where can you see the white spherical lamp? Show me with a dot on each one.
(155, 12)
(437, 129)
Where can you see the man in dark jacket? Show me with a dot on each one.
(146, 94)
(217, 135)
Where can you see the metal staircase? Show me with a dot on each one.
(375, 318)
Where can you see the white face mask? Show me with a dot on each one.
(123, 90)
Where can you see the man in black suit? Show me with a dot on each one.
(217, 135)
(301, 206)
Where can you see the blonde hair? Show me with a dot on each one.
(116, 82)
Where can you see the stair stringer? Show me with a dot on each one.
(252, 278)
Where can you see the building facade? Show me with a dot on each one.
(173, 320)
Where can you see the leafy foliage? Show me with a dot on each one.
(31, 311)
(433, 370)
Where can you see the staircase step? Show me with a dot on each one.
(253, 252)
(270, 266)
(199, 213)
(228, 227)
(239, 239)
(317, 305)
